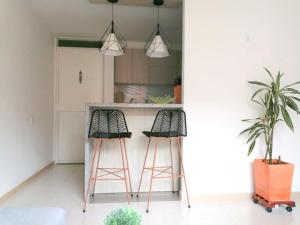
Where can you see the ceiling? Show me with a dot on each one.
(81, 19)
(144, 3)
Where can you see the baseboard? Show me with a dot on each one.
(227, 197)
(219, 197)
(295, 195)
(15, 189)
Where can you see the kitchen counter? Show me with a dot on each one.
(135, 105)
(139, 117)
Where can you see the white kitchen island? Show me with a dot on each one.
(140, 117)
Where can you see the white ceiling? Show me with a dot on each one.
(80, 18)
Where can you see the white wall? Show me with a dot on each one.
(226, 44)
(26, 62)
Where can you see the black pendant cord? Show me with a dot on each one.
(112, 18)
(112, 11)
(158, 17)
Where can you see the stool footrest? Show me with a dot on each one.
(175, 176)
(163, 170)
(102, 168)
(110, 172)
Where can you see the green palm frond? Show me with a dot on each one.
(276, 103)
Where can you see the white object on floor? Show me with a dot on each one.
(32, 216)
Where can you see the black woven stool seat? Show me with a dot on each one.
(168, 123)
(111, 135)
(160, 134)
(108, 123)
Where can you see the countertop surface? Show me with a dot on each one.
(135, 105)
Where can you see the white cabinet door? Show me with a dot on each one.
(74, 63)
(71, 128)
(73, 91)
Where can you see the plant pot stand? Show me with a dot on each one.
(271, 204)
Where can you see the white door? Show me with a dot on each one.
(79, 80)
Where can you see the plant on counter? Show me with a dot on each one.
(272, 178)
(166, 99)
(123, 216)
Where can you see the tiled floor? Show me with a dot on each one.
(62, 186)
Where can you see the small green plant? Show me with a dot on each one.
(123, 216)
(276, 101)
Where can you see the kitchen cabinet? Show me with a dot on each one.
(162, 75)
(140, 67)
(164, 70)
(135, 67)
(123, 67)
(132, 67)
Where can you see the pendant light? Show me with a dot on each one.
(112, 42)
(158, 45)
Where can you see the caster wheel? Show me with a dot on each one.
(289, 209)
(93, 195)
(269, 210)
(255, 201)
(131, 195)
(189, 206)
(137, 196)
(147, 211)
(83, 211)
(173, 192)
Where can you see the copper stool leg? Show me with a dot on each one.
(152, 173)
(172, 170)
(97, 165)
(124, 170)
(95, 145)
(182, 168)
(127, 165)
(137, 195)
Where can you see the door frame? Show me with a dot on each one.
(68, 108)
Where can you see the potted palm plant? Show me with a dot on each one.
(272, 177)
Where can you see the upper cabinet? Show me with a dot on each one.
(136, 68)
(132, 67)
(164, 70)
(140, 67)
(123, 67)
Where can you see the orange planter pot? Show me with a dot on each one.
(273, 181)
(177, 93)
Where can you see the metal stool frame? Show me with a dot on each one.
(100, 173)
(163, 172)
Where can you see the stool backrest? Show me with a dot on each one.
(170, 122)
(107, 121)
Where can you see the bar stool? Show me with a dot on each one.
(107, 125)
(170, 125)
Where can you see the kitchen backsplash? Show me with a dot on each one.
(129, 93)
